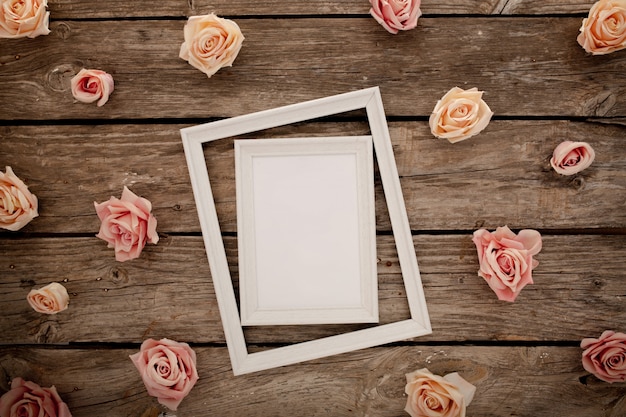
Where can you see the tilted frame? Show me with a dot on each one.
(243, 361)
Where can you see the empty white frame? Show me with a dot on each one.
(243, 361)
(306, 230)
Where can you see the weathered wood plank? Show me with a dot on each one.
(500, 56)
(510, 381)
(579, 291)
(500, 177)
(65, 9)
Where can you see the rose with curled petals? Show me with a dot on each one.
(431, 395)
(459, 115)
(211, 43)
(396, 15)
(18, 206)
(127, 224)
(604, 30)
(605, 357)
(27, 399)
(570, 158)
(23, 18)
(50, 299)
(168, 370)
(90, 85)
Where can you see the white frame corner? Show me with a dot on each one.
(243, 361)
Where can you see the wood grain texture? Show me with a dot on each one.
(168, 292)
(104, 382)
(523, 73)
(66, 9)
(501, 177)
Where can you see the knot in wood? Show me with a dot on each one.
(118, 275)
(62, 30)
(58, 79)
(48, 331)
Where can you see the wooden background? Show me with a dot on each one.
(524, 357)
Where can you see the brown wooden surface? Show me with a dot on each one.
(523, 357)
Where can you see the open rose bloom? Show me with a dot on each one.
(396, 15)
(605, 357)
(604, 30)
(506, 259)
(570, 158)
(211, 43)
(18, 206)
(90, 85)
(27, 399)
(23, 18)
(459, 115)
(168, 370)
(431, 395)
(50, 299)
(127, 224)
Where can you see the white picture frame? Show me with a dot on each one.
(306, 230)
(242, 360)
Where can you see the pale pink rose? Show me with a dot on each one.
(431, 395)
(27, 399)
(127, 224)
(606, 357)
(211, 43)
(506, 259)
(395, 15)
(18, 206)
(90, 85)
(23, 18)
(459, 115)
(168, 370)
(604, 30)
(572, 157)
(50, 299)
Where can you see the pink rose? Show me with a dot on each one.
(459, 115)
(570, 158)
(23, 18)
(168, 370)
(395, 15)
(211, 43)
(506, 259)
(50, 299)
(127, 224)
(604, 30)
(606, 357)
(18, 206)
(434, 396)
(27, 399)
(90, 85)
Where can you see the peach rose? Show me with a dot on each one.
(434, 396)
(90, 85)
(459, 115)
(168, 370)
(18, 206)
(23, 18)
(606, 357)
(211, 43)
(604, 30)
(395, 15)
(50, 299)
(570, 158)
(27, 399)
(127, 224)
(506, 259)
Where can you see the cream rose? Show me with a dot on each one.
(211, 43)
(50, 299)
(431, 395)
(506, 259)
(127, 224)
(570, 158)
(168, 370)
(90, 85)
(27, 399)
(23, 18)
(604, 30)
(605, 357)
(18, 206)
(459, 115)
(395, 15)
